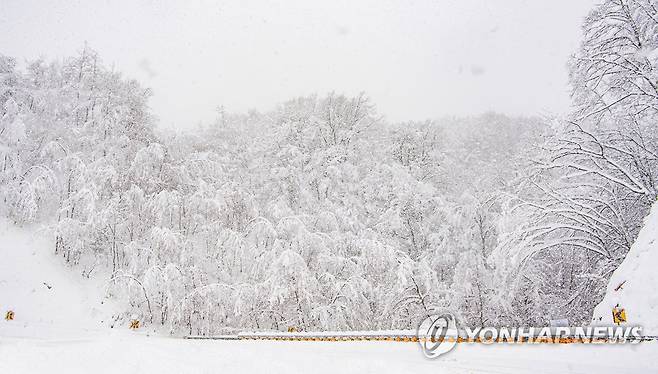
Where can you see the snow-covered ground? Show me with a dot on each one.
(120, 352)
(634, 285)
(65, 329)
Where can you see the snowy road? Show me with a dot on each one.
(122, 352)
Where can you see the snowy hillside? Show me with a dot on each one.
(634, 285)
(62, 325)
(48, 299)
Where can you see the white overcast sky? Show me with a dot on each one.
(416, 59)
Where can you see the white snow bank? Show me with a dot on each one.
(48, 299)
(634, 285)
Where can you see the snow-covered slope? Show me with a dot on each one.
(634, 285)
(48, 299)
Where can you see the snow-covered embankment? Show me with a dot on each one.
(634, 285)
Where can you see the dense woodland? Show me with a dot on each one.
(322, 215)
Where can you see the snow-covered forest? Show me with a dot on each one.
(321, 214)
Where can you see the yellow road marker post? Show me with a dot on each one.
(618, 315)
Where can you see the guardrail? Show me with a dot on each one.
(392, 337)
